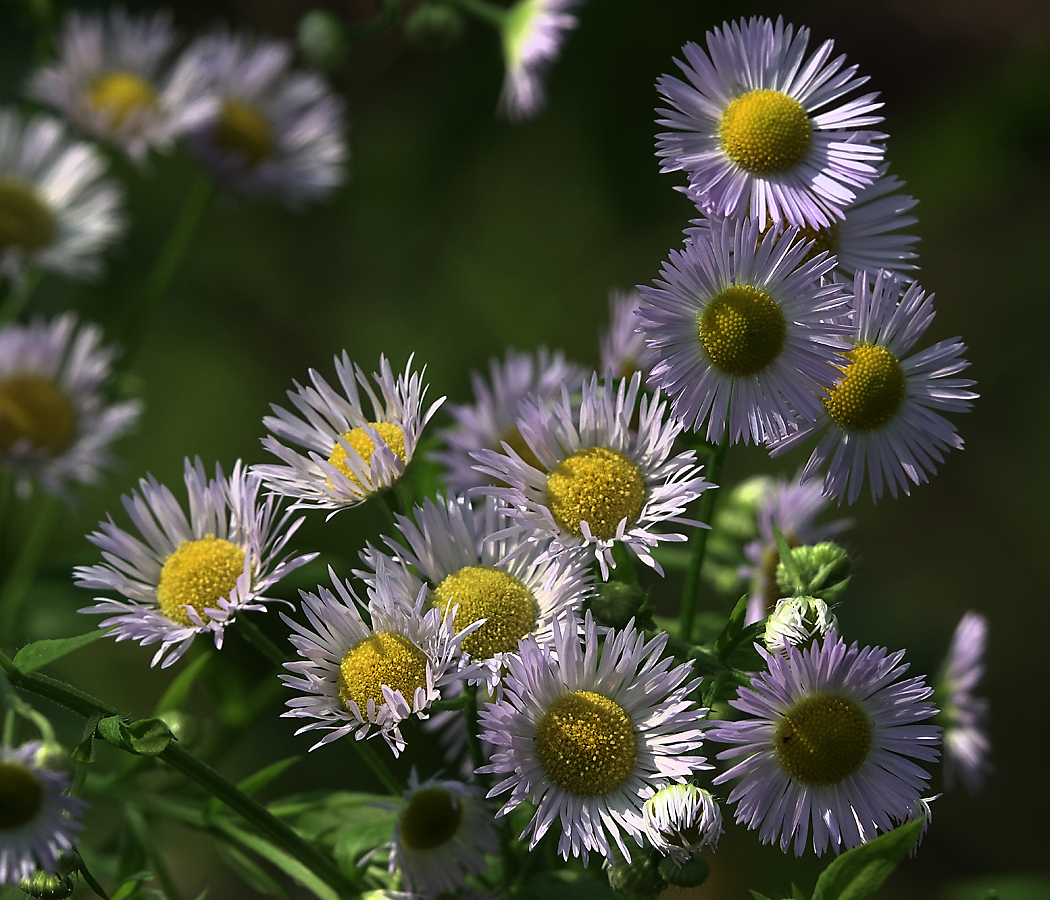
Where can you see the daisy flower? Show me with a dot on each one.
(360, 678)
(349, 455)
(588, 741)
(533, 31)
(55, 424)
(966, 743)
(443, 833)
(492, 418)
(192, 574)
(38, 822)
(57, 211)
(110, 79)
(276, 132)
(596, 482)
(880, 415)
(623, 347)
(462, 562)
(680, 819)
(827, 741)
(740, 325)
(761, 129)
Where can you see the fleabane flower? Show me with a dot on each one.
(444, 831)
(492, 419)
(761, 129)
(623, 347)
(349, 455)
(532, 33)
(456, 556)
(881, 414)
(55, 423)
(741, 328)
(38, 820)
(275, 131)
(366, 677)
(588, 736)
(192, 574)
(57, 210)
(598, 479)
(829, 742)
(966, 743)
(680, 819)
(796, 622)
(111, 80)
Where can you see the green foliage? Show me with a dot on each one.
(38, 654)
(146, 737)
(566, 884)
(859, 873)
(1011, 886)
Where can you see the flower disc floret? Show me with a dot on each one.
(25, 220)
(596, 485)
(823, 739)
(365, 446)
(36, 409)
(21, 796)
(765, 132)
(484, 592)
(431, 818)
(198, 574)
(742, 330)
(121, 95)
(382, 659)
(242, 129)
(872, 389)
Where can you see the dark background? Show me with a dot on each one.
(458, 234)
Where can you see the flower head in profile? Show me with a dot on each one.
(57, 211)
(349, 454)
(366, 677)
(599, 478)
(966, 744)
(828, 742)
(680, 819)
(275, 131)
(533, 31)
(189, 575)
(588, 740)
(797, 622)
(111, 80)
(623, 347)
(740, 326)
(882, 414)
(492, 419)
(55, 424)
(763, 131)
(38, 820)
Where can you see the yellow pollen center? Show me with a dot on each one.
(431, 818)
(121, 95)
(21, 796)
(598, 486)
(25, 220)
(871, 391)
(358, 438)
(504, 602)
(765, 132)
(823, 740)
(586, 743)
(198, 574)
(742, 329)
(384, 658)
(243, 130)
(36, 409)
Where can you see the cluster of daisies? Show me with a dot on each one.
(556, 480)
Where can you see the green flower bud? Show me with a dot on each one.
(434, 27)
(322, 39)
(823, 571)
(692, 873)
(616, 603)
(638, 878)
(58, 886)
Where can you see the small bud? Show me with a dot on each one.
(796, 621)
(616, 603)
(434, 27)
(56, 886)
(681, 818)
(639, 878)
(52, 755)
(322, 40)
(823, 571)
(691, 873)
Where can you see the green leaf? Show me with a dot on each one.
(254, 875)
(130, 885)
(568, 884)
(146, 737)
(179, 689)
(33, 656)
(279, 858)
(84, 752)
(759, 896)
(370, 827)
(787, 559)
(203, 895)
(263, 777)
(796, 893)
(858, 874)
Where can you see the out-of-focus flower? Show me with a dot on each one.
(966, 743)
(623, 346)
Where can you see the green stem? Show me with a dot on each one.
(89, 878)
(255, 636)
(486, 12)
(140, 828)
(20, 578)
(18, 295)
(699, 540)
(626, 570)
(198, 771)
(470, 720)
(378, 767)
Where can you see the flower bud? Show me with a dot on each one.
(681, 818)
(639, 878)
(796, 621)
(616, 603)
(52, 755)
(57, 886)
(691, 873)
(434, 27)
(322, 40)
(823, 571)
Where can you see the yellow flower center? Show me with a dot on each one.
(121, 95)
(36, 409)
(598, 486)
(586, 743)
(384, 658)
(871, 391)
(742, 329)
(823, 739)
(504, 602)
(358, 438)
(198, 574)
(25, 220)
(243, 130)
(21, 796)
(430, 818)
(765, 132)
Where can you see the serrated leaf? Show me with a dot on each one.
(179, 689)
(39, 653)
(859, 873)
(146, 737)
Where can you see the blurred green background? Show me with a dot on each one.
(458, 234)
